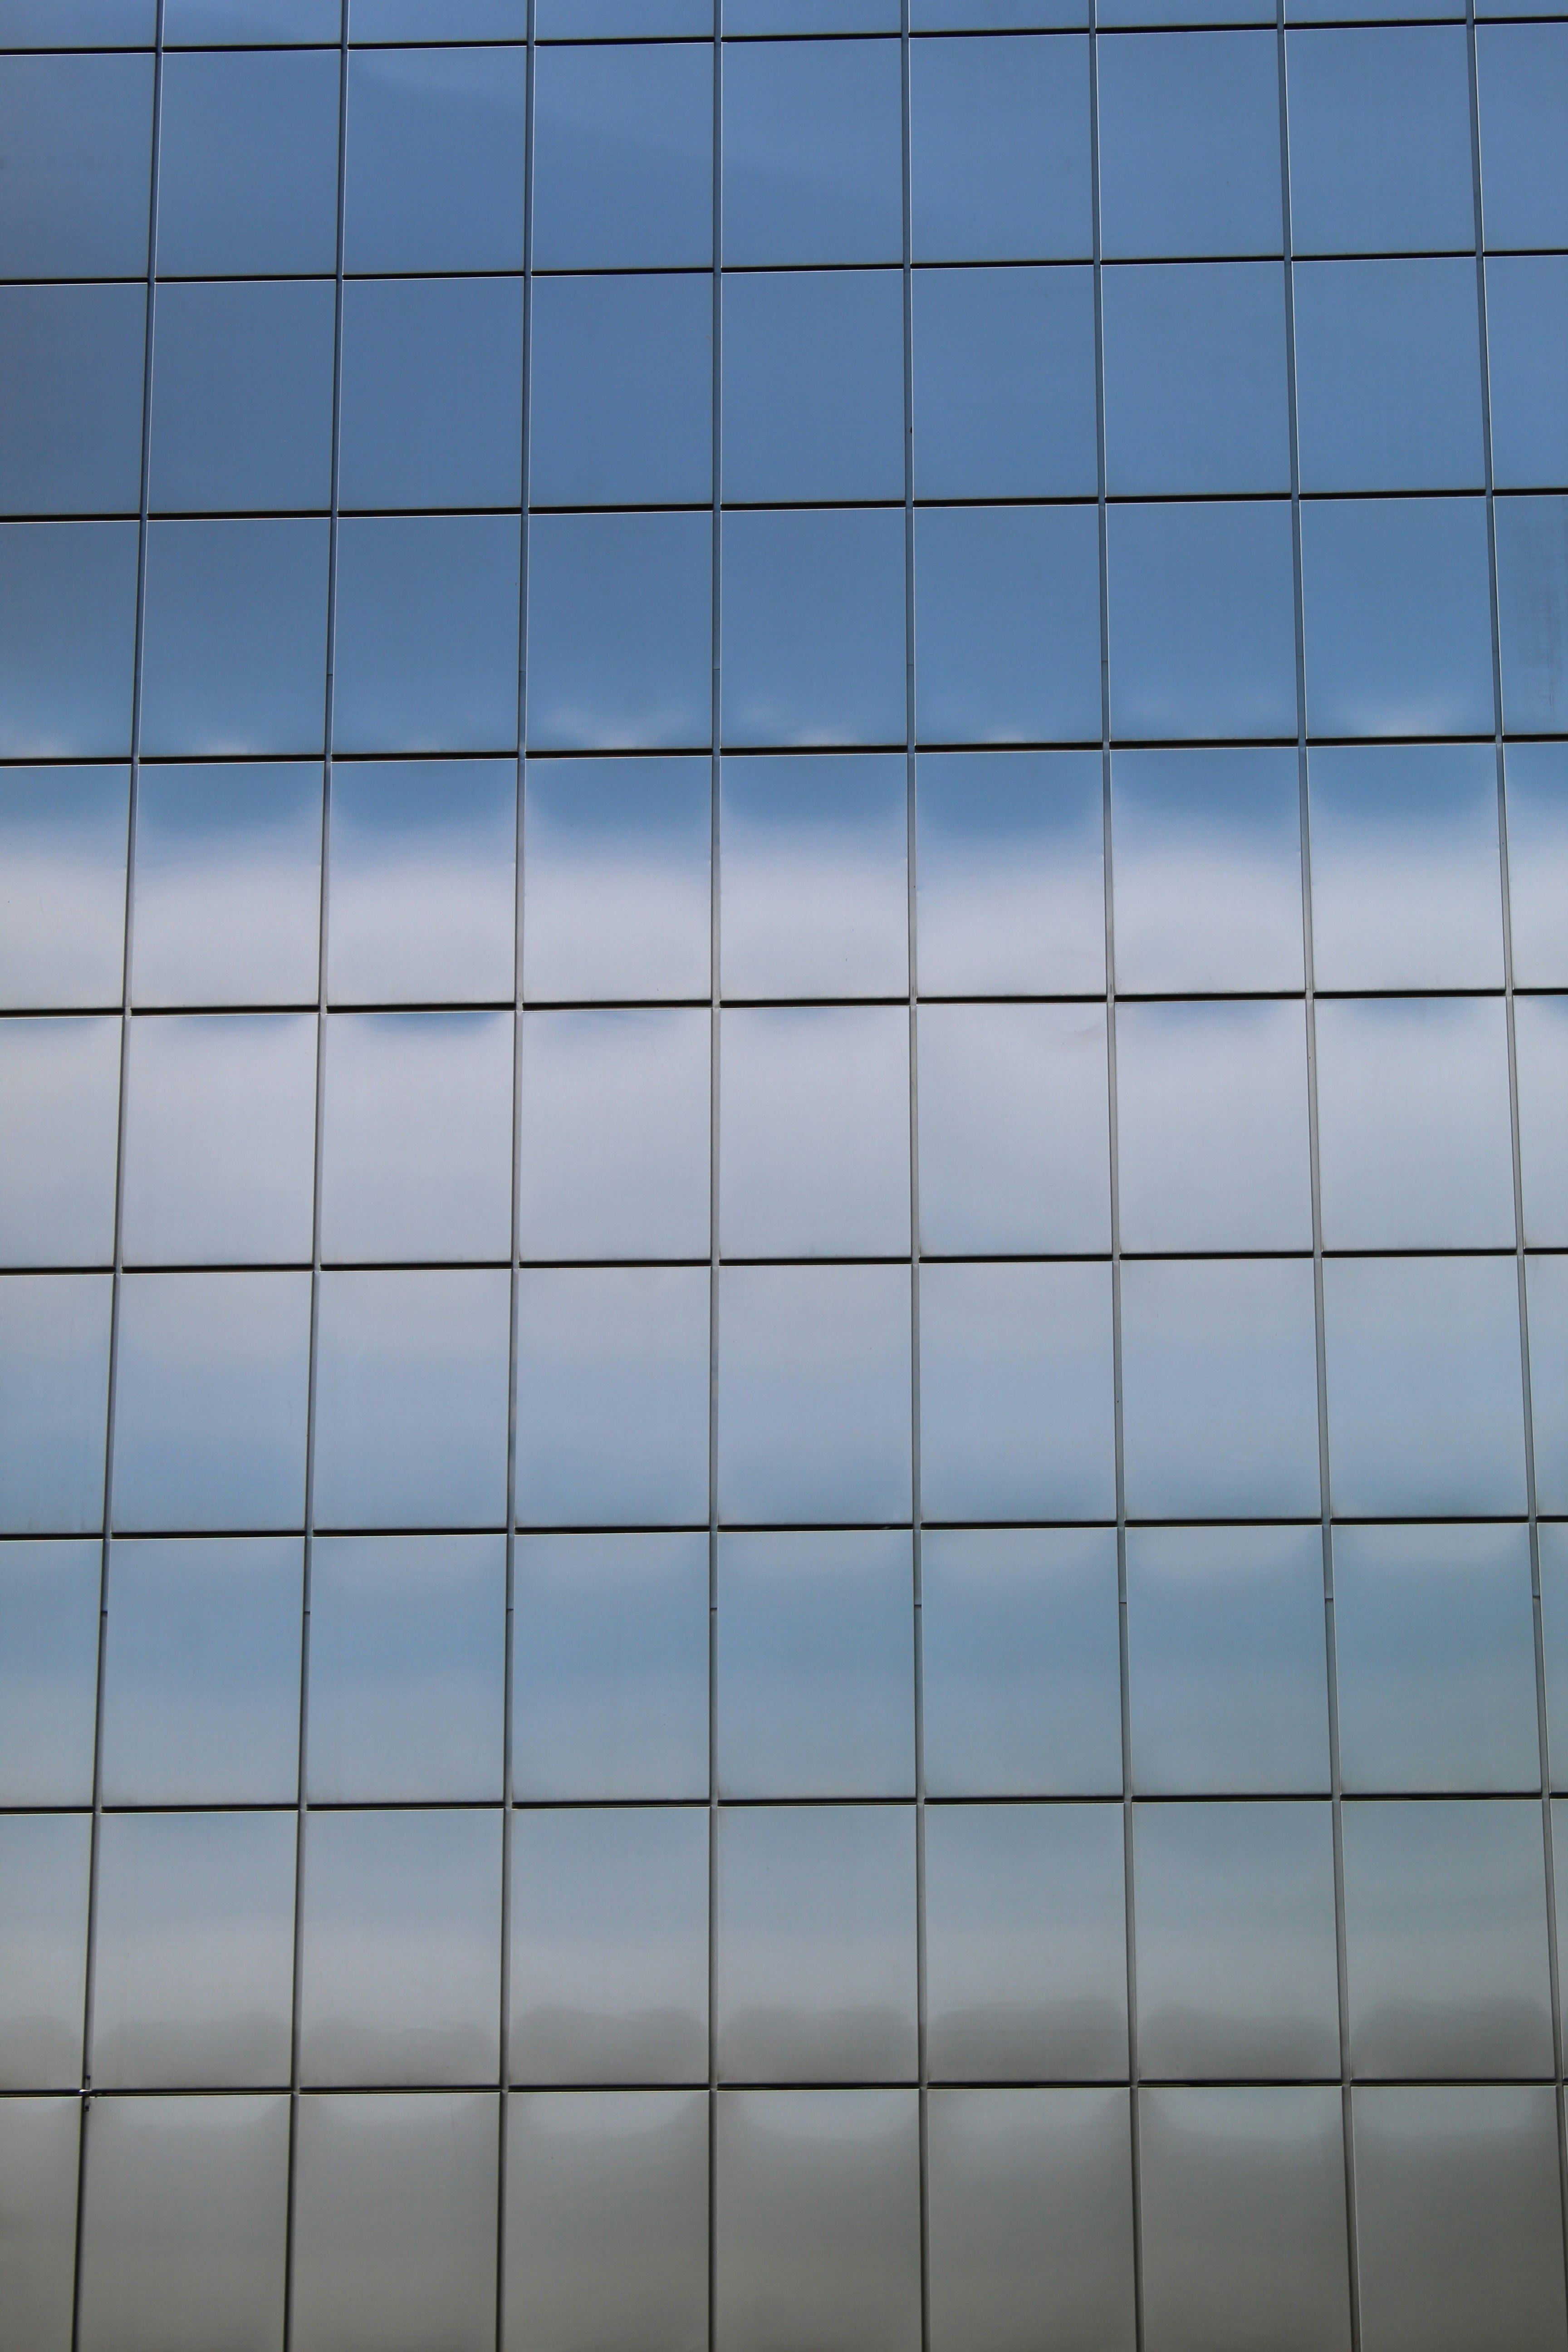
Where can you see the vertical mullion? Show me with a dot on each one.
(112, 1390)
(714, 1018)
(301, 1801)
(504, 2033)
(1542, 1727)
(918, 1651)
(1321, 1341)
(1134, 2120)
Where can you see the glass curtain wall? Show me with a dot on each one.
(783, 1359)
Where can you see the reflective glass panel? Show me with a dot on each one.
(421, 898)
(62, 885)
(620, 394)
(42, 1947)
(813, 627)
(1388, 386)
(201, 1685)
(814, 893)
(1004, 383)
(610, 1666)
(1202, 620)
(1189, 143)
(400, 1981)
(814, 1666)
(1025, 1942)
(419, 354)
(228, 884)
(812, 146)
(615, 879)
(623, 165)
(999, 150)
(49, 1646)
(1380, 140)
(1014, 1122)
(40, 2165)
(1207, 858)
(1405, 875)
(1006, 625)
(1226, 1660)
(54, 1386)
(242, 396)
(1011, 873)
(71, 399)
(813, 1140)
(813, 1366)
(425, 651)
(435, 164)
(1537, 862)
(416, 1145)
(615, 1134)
(813, 385)
(1212, 1127)
(60, 1081)
(816, 1943)
(407, 1650)
(1195, 378)
(1397, 625)
(220, 1133)
(1020, 1661)
(609, 1945)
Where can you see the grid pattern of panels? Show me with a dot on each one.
(784, 1350)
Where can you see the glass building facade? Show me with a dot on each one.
(783, 1171)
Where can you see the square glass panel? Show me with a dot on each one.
(42, 1947)
(228, 885)
(813, 885)
(1447, 2178)
(432, 392)
(1227, 1653)
(814, 1666)
(621, 388)
(1388, 381)
(1426, 1418)
(623, 161)
(1236, 1966)
(620, 615)
(1208, 860)
(1203, 629)
(194, 1950)
(1030, 2220)
(421, 892)
(813, 385)
(248, 164)
(608, 2220)
(999, 163)
(816, 1943)
(220, 1137)
(71, 399)
(612, 1396)
(610, 1667)
(435, 163)
(185, 2223)
(1021, 1677)
(812, 153)
(1405, 889)
(408, 1669)
(236, 650)
(1552, 1541)
(1025, 1942)
(60, 1082)
(816, 2221)
(814, 1135)
(242, 396)
(1011, 873)
(201, 1687)
(1014, 1129)
(609, 1945)
(411, 1399)
(813, 627)
(1189, 143)
(1380, 140)
(1016, 1393)
(615, 1134)
(209, 1422)
(54, 1396)
(1212, 1126)
(426, 650)
(1398, 627)
(1446, 1938)
(1006, 623)
(1003, 384)
(1195, 396)
(1413, 1135)
(1243, 2205)
(417, 1148)
(49, 1671)
(1221, 1389)
(400, 1979)
(63, 835)
(395, 2241)
(1435, 1643)
(616, 889)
